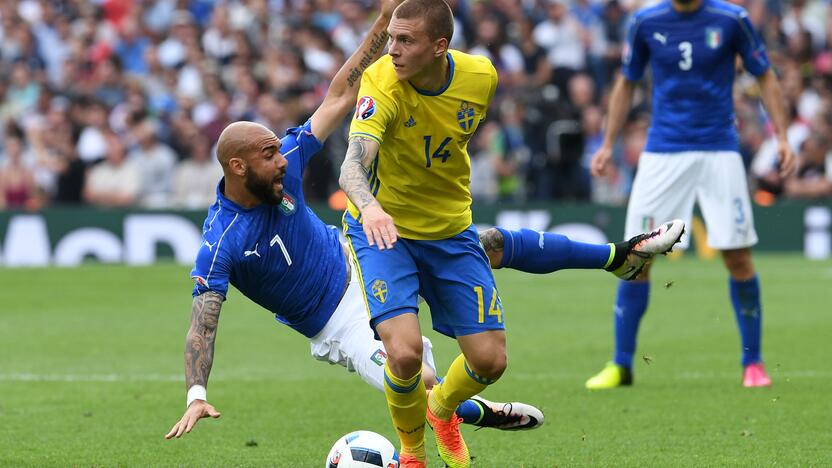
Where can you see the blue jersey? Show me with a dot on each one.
(283, 257)
(692, 57)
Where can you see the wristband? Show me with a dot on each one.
(196, 392)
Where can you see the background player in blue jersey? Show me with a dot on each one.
(692, 155)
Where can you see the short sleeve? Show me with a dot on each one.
(212, 270)
(374, 112)
(302, 141)
(636, 52)
(750, 47)
(494, 81)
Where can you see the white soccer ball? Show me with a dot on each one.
(362, 449)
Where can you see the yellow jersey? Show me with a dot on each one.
(422, 173)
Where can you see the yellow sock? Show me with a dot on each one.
(407, 403)
(460, 384)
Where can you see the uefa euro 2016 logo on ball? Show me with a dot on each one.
(362, 449)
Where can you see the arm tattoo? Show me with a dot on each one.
(367, 58)
(199, 345)
(354, 172)
(492, 240)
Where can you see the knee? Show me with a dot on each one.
(490, 367)
(404, 359)
(739, 263)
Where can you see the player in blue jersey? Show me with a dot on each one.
(691, 155)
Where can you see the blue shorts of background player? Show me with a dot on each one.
(452, 275)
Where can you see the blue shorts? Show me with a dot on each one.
(452, 275)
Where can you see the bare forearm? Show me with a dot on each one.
(199, 344)
(353, 179)
(620, 102)
(773, 100)
(346, 81)
(343, 91)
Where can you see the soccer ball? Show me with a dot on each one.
(362, 449)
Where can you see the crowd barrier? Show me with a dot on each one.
(71, 236)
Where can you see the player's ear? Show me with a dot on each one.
(441, 47)
(238, 166)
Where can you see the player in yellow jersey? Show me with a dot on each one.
(407, 174)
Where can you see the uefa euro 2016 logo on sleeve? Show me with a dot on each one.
(365, 109)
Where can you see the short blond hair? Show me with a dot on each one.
(438, 17)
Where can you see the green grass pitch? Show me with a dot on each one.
(91, 374)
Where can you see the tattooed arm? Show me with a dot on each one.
(343, 90)
(199, 357)
(378, 225)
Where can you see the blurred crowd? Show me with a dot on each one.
(120, 102)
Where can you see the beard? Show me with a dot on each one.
(263, 188)
(685, 2)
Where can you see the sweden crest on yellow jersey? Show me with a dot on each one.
(465, 115)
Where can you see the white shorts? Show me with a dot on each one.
(667, 185)
(347, 339)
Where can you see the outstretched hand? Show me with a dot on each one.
(199, 409)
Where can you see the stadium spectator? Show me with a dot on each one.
(813, 178)
(17, 182)
(563, 37)
(116, 181)
(156, 163)
(132, 47)
(92, 145)
(506, 57)
(195, 180)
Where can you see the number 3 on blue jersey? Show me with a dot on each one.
(686, 48)
(438, 153)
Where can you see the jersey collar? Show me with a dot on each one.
(230, 205)
(447, 84)
(688, 14)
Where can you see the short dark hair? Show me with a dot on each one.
(438, 17)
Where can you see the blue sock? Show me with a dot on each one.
(469, 411)
(630, 305)
(745, 296)
(544, 252)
